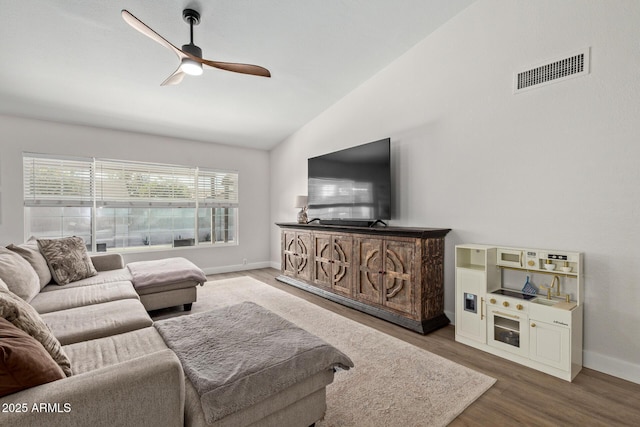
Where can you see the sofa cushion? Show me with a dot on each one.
(120, 275)
(18, 275)
(67, 258)
(97, 321)
(31, 253)
(88, 356)
(110, 261)
(25, 317)
(24, 363)
(65, 298)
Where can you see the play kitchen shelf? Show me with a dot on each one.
(525, 305)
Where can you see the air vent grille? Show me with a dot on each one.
(552, 72)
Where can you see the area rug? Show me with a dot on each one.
(393, 383)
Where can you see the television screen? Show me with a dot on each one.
(352, 184)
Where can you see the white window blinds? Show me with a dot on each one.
(52, 181)
(57, 181)
(131, 184)
(217, 189)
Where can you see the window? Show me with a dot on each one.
(58, 196)
(120, 205)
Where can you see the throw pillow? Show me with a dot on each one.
(25, 317)
(18, 274)
(24, 363)
(31, 253)
(67, 258)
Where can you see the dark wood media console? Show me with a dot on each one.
(394, 273)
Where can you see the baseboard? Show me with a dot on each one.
(451, 315)
(611, 366)
(237, 267)
(275, 264)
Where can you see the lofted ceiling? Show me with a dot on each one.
(77, 61)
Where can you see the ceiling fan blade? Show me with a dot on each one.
(174, 78)
(144, 29)
(254, 70)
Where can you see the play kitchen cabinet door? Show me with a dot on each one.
(333, 255)
(296, 254)
(552, 335)
(385, 273)
(549, 344)
(471, 319)
(474, 278)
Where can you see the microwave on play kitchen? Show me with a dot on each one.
(517, 258)
(510, 258)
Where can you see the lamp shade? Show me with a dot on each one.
(301, 202)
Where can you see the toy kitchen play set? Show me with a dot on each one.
(525, 305)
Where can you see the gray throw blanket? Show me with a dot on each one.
(164, 271)
(239, 355)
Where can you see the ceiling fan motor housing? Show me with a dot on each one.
(192, 49)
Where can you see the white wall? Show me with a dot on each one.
(555, 167)
(37, 136)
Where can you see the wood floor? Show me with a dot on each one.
(521, 396)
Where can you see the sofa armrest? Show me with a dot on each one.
(146, 391)
(105, 262)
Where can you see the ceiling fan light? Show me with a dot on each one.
(191, 67)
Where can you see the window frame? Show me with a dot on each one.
(133, 185)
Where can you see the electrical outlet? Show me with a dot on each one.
(244, 261)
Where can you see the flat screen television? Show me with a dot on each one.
(351, 186)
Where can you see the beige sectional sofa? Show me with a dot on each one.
(123, 373)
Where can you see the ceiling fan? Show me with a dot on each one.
(190, 55)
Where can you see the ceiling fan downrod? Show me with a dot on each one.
(191, 17)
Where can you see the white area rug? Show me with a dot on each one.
(393, 383)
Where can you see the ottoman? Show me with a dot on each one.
(246, 366)
(166, 282)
